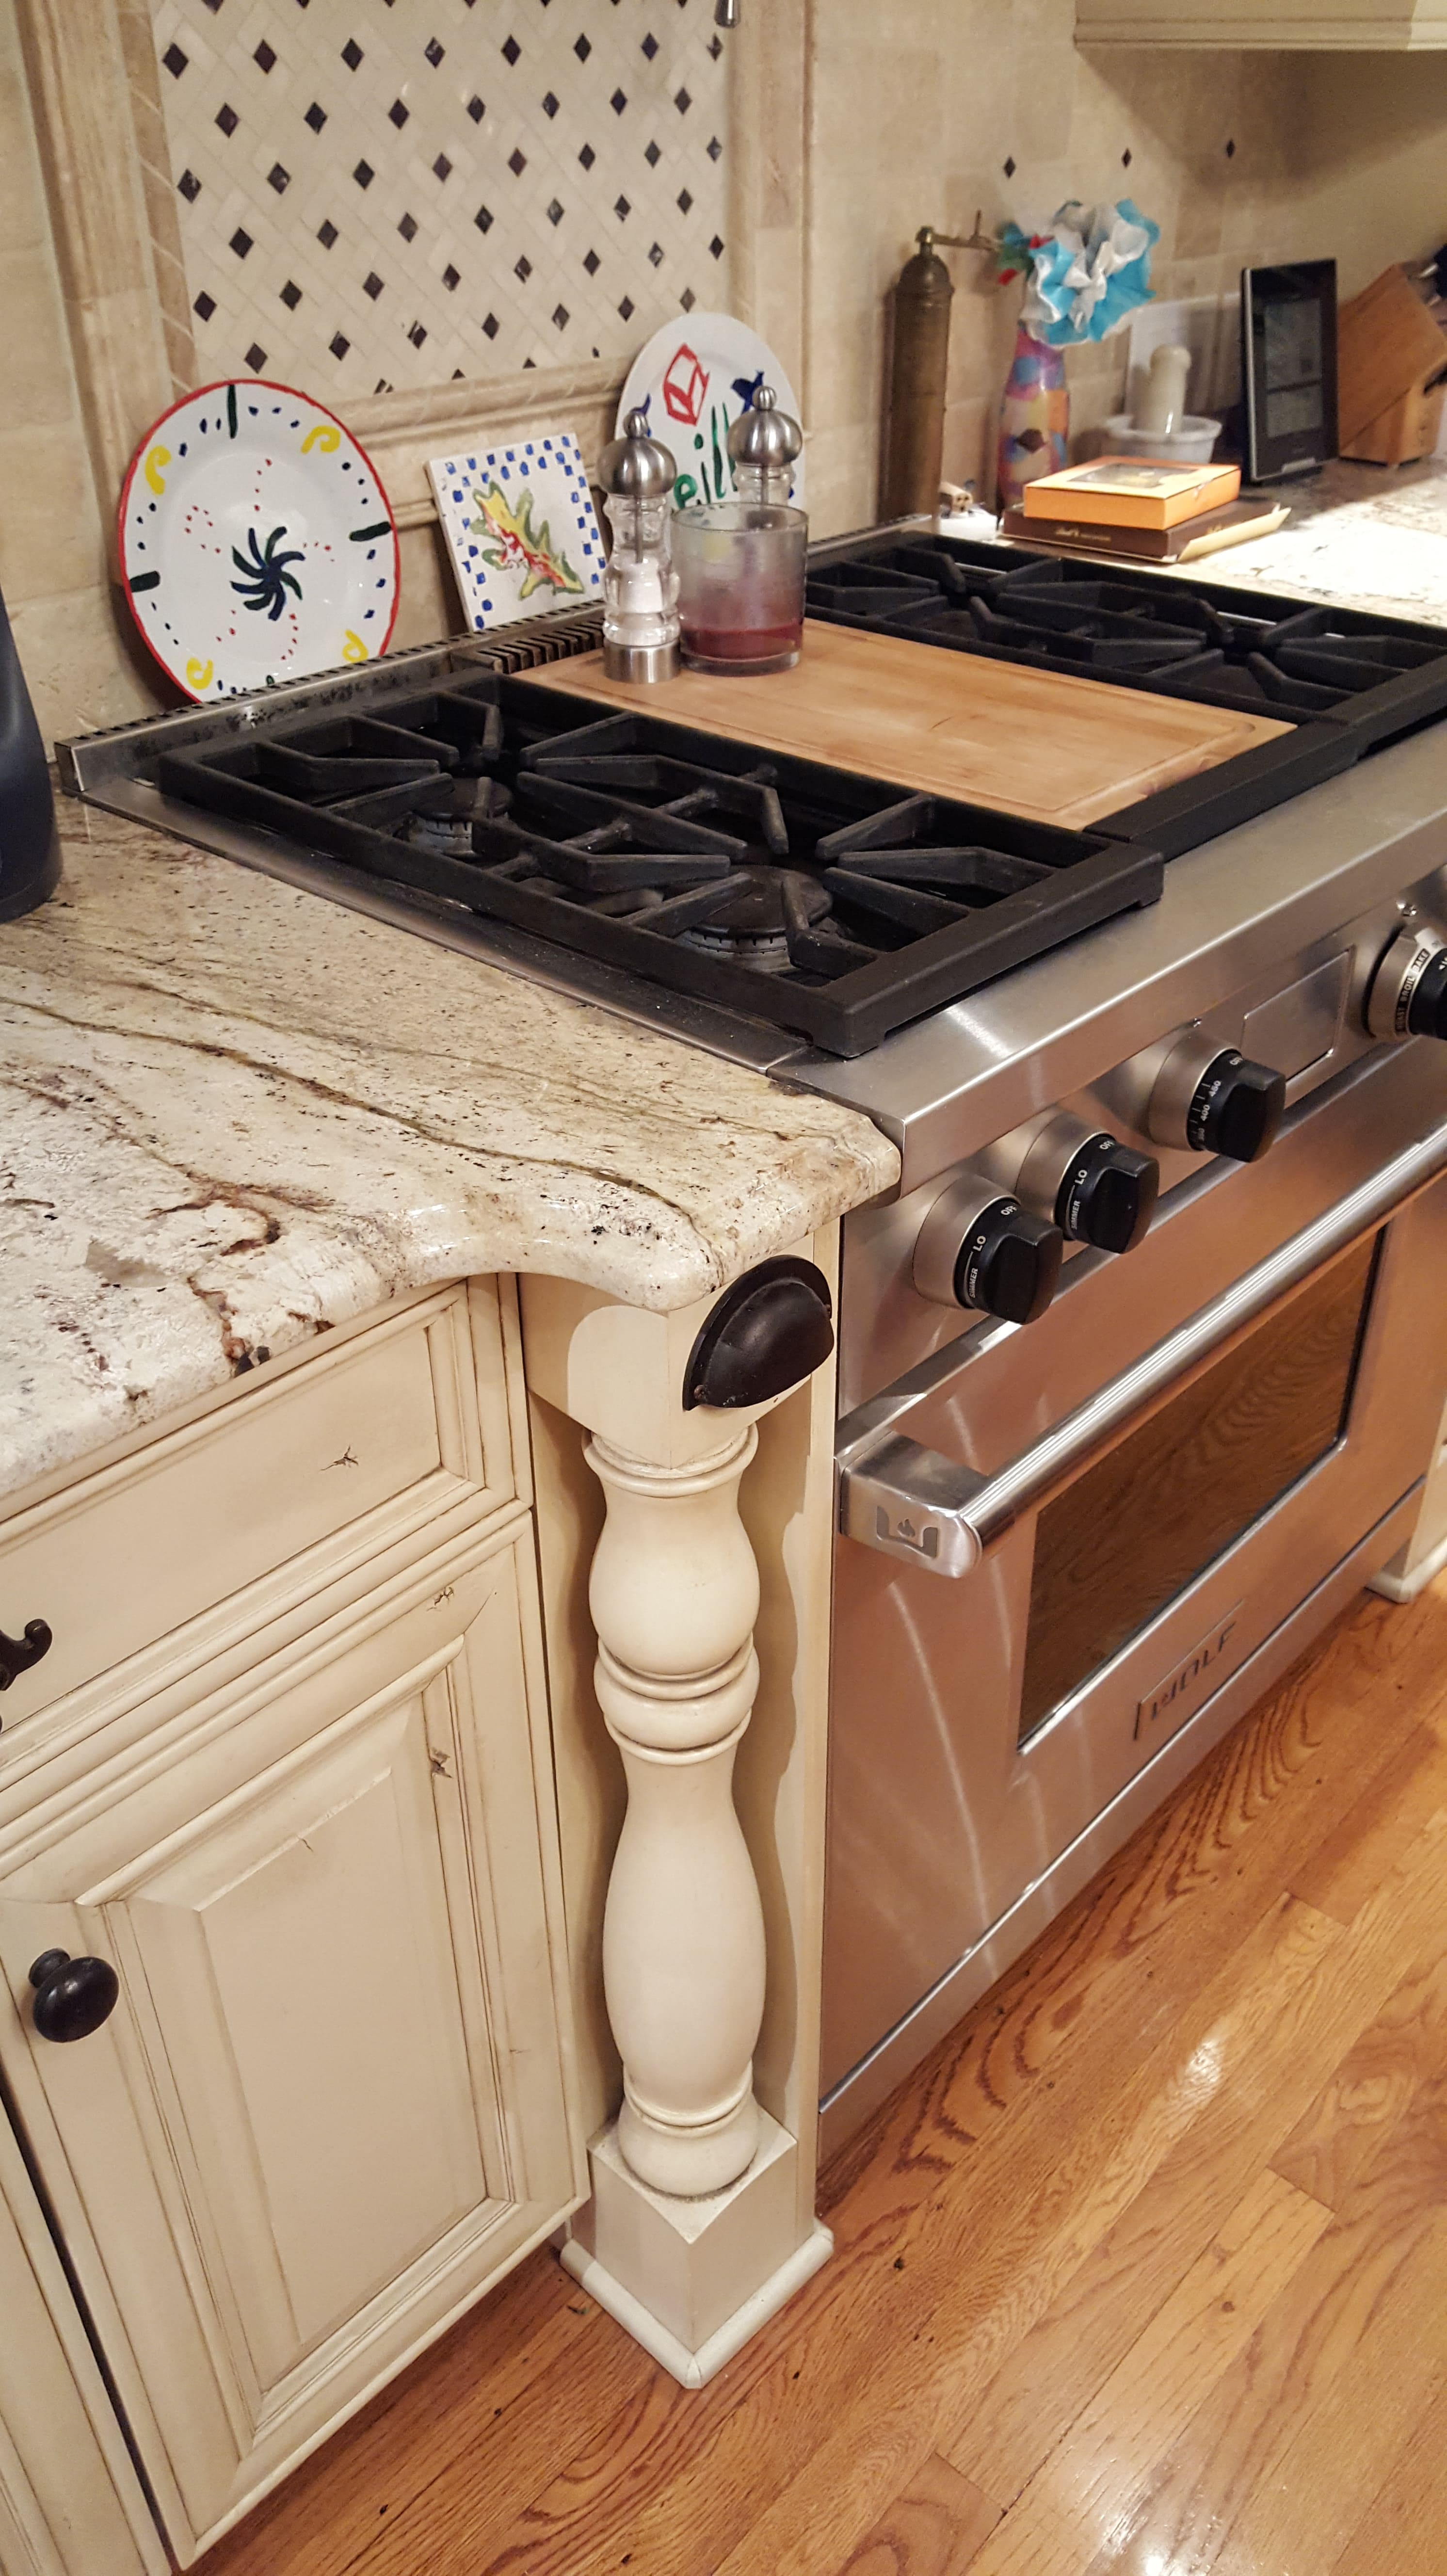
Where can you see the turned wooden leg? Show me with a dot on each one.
(674, 1595)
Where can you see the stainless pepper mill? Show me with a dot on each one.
(640, 586)
(764, 445)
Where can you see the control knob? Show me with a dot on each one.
(1214, 1100)
(1085, 1181)
(1407, 997)
(979, 1247)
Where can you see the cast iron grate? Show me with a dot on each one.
(1346, 680)
(821, 902)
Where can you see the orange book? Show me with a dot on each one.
(1131, 492)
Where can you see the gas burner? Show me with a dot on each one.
(761, 911)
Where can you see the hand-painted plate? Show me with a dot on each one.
(256, 541)
(693, 379)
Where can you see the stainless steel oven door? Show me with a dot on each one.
(1138, 1493)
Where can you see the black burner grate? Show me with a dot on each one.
(828, 904)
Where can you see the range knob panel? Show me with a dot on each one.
(978, 1247)
(1408, 995)
(1214, 1100)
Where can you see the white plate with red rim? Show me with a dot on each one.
(256, 541)
(693, 378)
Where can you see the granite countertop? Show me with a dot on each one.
(235, 1114)
(1373, 536)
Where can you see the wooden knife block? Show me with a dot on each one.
(1390, 352)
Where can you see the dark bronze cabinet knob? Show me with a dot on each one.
(17, 1654)
(72, 1996)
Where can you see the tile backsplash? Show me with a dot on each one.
(385, 194)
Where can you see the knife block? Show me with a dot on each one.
(1390, 353)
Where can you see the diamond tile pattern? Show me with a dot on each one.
(513, 213)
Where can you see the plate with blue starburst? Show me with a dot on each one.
(256, 541)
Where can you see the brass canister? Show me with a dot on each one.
(919, 365)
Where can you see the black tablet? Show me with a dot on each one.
(1288, 368)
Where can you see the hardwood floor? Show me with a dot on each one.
(1145, 2271)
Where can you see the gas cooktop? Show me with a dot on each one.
(812, 898)
(759, 902)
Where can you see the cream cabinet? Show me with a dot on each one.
(1364, 26)
(70, 2500)
(331, 2100)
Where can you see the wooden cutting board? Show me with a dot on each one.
(1029, 742)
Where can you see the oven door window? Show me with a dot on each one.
(1147, 1519)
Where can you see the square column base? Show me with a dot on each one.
(691, 2280)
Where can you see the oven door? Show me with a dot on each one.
(1114, 1514)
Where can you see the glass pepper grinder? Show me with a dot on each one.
(640, 586)
(763, 445)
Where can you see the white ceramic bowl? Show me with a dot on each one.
(1191, 444)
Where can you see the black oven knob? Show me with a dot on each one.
(1214, 1100)
(1080, 1178)
(979, 1247)
(1108, 1196)
(1408, 995)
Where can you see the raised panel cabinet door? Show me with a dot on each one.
(331, 2102)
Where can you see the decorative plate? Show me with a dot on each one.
(522, 528)
(693, 379)
(256, 541)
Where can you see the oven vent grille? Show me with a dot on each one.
(534, 641)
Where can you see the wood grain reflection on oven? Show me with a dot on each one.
(1153, 1513)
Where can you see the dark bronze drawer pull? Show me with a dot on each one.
(17, 1654)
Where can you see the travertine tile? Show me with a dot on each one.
(39, 379)
(84, 665)
(50, 534)
(24, 221)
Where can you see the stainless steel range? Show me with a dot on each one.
(1141, 1369)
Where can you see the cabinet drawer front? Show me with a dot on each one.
(329, 2105)
(132, 1553)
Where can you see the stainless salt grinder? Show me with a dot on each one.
(764, 444)
(640, 586)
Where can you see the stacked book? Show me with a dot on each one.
(1127, 505)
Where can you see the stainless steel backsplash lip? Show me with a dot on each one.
(1229, 912)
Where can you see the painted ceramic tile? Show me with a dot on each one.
(522, 528)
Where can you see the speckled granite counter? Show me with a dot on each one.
(1372, 535)
(234, 1114)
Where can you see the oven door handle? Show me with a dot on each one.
(918, 1505)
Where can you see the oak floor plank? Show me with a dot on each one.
(1332, 2465)
(1263, 2065)
(1090, 2480)
(934, 2528)
(1340, 1874)
(1031, 2235)
(1366, 2094)
(508, 2386)
(1404, 2528)
(1374, 2284)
